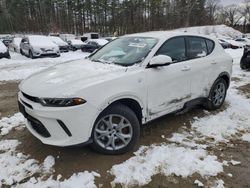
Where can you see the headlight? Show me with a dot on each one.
(42, 49)
(61, 102)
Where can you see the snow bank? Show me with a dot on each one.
(213, 30)
(167, 160)
(7, 124)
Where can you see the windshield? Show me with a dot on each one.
(125, 51)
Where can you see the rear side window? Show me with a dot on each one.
(210, 46)
(196, 47)
(175, 48)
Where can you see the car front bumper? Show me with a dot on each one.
(59, 126)
(64, 48)
(46, 53)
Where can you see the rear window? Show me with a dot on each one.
(210, 46)
(196, 47)
(94, 36)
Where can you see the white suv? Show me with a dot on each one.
(104, 99)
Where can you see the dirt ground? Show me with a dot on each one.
(76, 159)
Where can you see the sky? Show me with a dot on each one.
(229, 2)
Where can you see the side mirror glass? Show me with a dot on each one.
(160, 60)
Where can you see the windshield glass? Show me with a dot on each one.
(125, 51)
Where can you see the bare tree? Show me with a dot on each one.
(233, 15)
(212, 8)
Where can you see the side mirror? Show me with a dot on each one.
(160, 60)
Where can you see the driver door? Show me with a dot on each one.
(169, 86)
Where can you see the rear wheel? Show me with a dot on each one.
(116, 130)
(217, 94)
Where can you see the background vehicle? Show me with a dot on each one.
(93, 44)
(75, 44)
(6, 41)
(244, 41)
(224, 44)
(144, 76)
(15, 44)
(88, 36)
(38, 46)
(245, 59)
(63, 46)
(233, 44)
(4, 52)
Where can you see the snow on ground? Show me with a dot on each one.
(79, 180)
(14, 166)
(17, 167)
(185, 155)
(168, 160)
(20, 67)
(213, 30)
(246, 137)
(7, 124)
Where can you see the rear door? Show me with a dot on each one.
(201, 60)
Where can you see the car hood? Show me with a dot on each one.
(67, 79)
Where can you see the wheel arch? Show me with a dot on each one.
(225, 76)
(130, 101)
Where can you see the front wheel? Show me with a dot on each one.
(116, 130)
(217, 94)
(31, 55)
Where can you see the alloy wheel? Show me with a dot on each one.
(113, 132)
(219, 94)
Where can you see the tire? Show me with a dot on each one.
(217, 94)
(31, 55)
(124, 129)
(243, 66)
(21, 52)
(244, 63)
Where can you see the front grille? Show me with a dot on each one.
(38, 127)
(31, 98)
(62, 48)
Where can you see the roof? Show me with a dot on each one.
(166, 34)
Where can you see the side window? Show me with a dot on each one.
(210, 46)
(196, 47)
(175, 48)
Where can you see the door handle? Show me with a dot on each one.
(186, 68)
